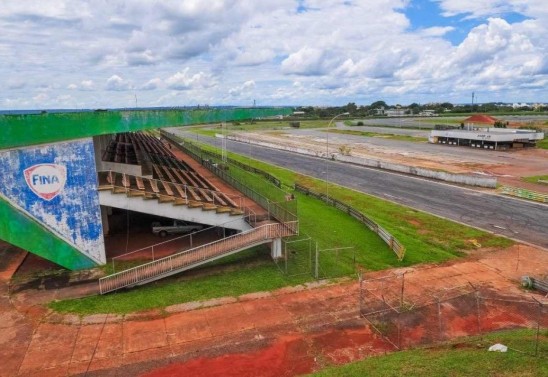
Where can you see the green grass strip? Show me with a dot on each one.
(536, 179)
(466, 359)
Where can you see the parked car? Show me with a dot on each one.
(176, 227)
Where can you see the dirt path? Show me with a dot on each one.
(282, 333)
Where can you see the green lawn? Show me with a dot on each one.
(466, 359)
(250, 271)
(535, 179)
(543, 144)
(427, 238)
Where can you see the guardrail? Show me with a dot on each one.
(524, 194)
(392, 242)
(187, 259)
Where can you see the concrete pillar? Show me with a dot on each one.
(105, 211)
(276, 248)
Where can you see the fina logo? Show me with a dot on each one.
(46, 180)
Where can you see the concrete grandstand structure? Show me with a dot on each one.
(62, 172)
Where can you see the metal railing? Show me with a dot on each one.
(149, 251)
(390, 240)
(266, 175)
(524, 194)
(193, 257)
(279, 211)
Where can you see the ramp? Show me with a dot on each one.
(197, 256)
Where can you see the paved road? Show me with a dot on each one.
(519, 219)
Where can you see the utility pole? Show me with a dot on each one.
(472, 108)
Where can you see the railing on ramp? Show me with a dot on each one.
(188, 259)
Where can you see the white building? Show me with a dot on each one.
(487, 137)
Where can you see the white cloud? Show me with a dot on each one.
(87, 84)
(308, 61)
(152, 84)
(184, 81)
(116, 83)
(193, 52)
(246, 88)
(436, 31)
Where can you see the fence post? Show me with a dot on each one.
(441, 337)
(152, 252)
(316, 266)
(538, 325)
(478, 313)
(402, 289)
(360, 296)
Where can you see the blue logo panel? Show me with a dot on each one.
(57, 185)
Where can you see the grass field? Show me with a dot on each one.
(536, 178)
(465, 359)
(427, 238)
(543, 144)
(381, 135)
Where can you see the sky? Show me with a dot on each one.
(81, 54)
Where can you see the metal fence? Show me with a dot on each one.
(283, 211)
(390, 240)
(301, 256)
(458, 314)
(269, 177)
(297, 256)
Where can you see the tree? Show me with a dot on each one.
(499, 124)
(351, 108)
(378, 105)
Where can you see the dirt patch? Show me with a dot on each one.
(286, 357)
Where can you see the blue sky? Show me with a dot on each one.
(75, 54)
(425, 13)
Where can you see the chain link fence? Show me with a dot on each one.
(460, 314)
(301, 256)
(297, 256)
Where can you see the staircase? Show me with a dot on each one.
(168, 192)
(191, 258)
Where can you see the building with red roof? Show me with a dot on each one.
(480, 118)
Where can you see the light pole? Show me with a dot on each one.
(327, 154)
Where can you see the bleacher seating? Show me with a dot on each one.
(173, 179)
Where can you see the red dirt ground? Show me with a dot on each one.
(282, 333)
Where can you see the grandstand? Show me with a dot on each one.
(193, 197)
(64, 173)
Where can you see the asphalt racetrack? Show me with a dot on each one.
(515, 218)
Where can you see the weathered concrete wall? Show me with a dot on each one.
(56, 186)
(422, 172)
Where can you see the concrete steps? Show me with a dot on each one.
(167, 192)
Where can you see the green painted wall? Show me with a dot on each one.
(24, 130)
(20, 230)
